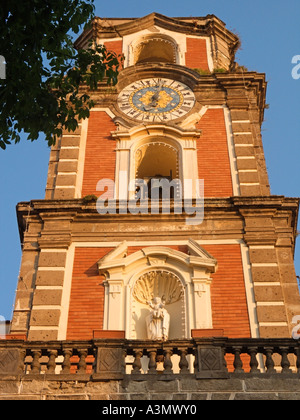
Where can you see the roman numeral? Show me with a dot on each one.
(124, 107)
(185, 108)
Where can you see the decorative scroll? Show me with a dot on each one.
(160, 283)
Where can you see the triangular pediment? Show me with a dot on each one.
(196, 256)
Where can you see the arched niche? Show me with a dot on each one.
(168, 286)
(183, 277)
(155, 48)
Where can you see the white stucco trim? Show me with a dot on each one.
(249, 287)
(65, 299)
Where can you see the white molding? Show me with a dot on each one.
(64, 186)
(52, 250)
(66, 173)
(231, 152)
(81, 158)
(249, 286)
(249, 183)
(65, 299)
(241, 121)
(267, 283)
(45, 307)
(41, 328)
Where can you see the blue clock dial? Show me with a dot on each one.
(156, 100)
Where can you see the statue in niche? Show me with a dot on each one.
(158, 321)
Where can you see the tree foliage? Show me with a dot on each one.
(44, 71)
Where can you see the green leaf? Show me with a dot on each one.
(44, 71)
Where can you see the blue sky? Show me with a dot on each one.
(270, 36)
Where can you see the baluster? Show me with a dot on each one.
(51, 362)
(94, 366)
(225, 369)
(285, 363)
(168, 362)
(183, 364)
(35, 364)
(297, 353)
(137, 364)
(269, 360)
(238, 364)
(66, 365)
(152, 362)
(124, 355)
(82, 363)
(196, 361)
(253, 360)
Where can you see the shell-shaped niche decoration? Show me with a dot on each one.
(160, 283)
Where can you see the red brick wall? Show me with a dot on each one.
(196, 54)
(213, 157)
(100, 155)
(86, 308)
(229, 304)
(228, 294)
(114, 46)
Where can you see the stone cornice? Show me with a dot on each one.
(77, 205)
(77, 208)
(149, 70)
(108, 28)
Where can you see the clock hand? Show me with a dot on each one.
(153, 103)
(155, 97)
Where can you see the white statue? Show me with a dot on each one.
(158, 322)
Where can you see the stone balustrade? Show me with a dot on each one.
(111, 359)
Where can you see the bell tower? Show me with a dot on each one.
(161, 193)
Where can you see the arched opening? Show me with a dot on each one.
(155, 49)
(157, 161)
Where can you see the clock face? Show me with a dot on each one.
(156, 100)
